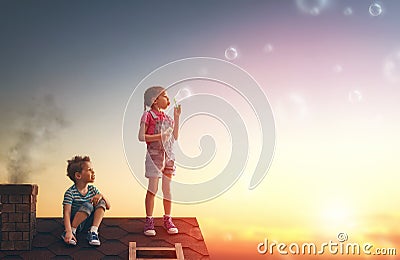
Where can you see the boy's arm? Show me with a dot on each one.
(67, 222)
(108, 204)
(67, 217)
(96, 199)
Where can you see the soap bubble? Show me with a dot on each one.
(182, 94)
(375, 9)
(268, 48)
(231, 53)
(355, 96)
(348, 11)
(292, 107)
(338, 68)
(391, 67)
(203, 72)
(228, 237)
(313, 7)
(315, 11)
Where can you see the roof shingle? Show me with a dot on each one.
(115, 235)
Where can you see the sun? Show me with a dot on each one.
(337, 216)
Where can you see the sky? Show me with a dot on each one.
(314, 82)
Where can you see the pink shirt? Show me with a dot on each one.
(148, 119)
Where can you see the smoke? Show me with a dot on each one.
(37, 128)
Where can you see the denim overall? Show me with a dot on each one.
(160, 151)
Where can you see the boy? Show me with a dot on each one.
(83, 204)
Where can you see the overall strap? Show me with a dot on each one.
(153, 114)
(155, 145)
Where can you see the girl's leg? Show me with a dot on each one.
(166, 189)
(151, 191)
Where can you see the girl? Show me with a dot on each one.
(156, 129)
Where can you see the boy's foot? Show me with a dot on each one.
(93, 238)
(169, 225)
(149, 227)
(71, 242)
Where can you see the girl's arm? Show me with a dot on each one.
(143, 137)
(177, 114)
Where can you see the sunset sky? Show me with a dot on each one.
(71, 74)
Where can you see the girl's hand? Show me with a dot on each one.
(166, 135)
(177, 111)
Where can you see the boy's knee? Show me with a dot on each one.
(101, 205)
(86, 208)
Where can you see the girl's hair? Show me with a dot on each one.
(151, 94)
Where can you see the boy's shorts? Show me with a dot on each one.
(88, 208)
(158, 163)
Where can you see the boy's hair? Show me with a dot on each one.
(75, 165)
(151, 94)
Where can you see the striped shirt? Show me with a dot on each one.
(73, 197)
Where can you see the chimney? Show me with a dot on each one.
(17, 216)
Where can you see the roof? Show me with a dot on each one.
(115, 235)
